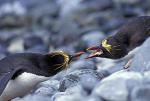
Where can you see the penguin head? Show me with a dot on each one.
(109, 48)
(59, 60)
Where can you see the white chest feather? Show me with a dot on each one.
(21, 85)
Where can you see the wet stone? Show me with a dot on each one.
(31, 41)
(141, 61)
(141, 93)
(76, 77)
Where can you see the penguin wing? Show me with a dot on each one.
(4, 79)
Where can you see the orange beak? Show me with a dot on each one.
(76, 55)
(95, 52)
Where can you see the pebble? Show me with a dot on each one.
(93, 38)
(41, 26)
(141, 61)
(141, 93)
(76, 77)
(115, 87)
(16, 46)
(32, 41)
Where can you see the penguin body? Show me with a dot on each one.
(21, 85)
(20, 72)
(129, 36)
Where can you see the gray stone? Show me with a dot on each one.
(82, 64)
(113, 90)
(96, 5)
(141, 93)
(46, 91)
(141, 61)
(83, 7)
(68, 49)
(115, 87)
(76, 77)
(3, 52)
(33, 98)
(72, 94)
(146, 78)
(16, 45)
(129, 2)
(52, 82)
(38, 49)
(93, 38)
(12, 20)
(93, 98)
(31, 41)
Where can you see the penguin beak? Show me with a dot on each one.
(95, 52)
(76, 55)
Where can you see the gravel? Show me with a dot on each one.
(42, 26)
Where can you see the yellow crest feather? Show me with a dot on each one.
(66, 59)
(106, 45)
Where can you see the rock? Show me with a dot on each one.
(30, 4)
(5, 1)
(76, 77)
(82, 64)
(3, 52)
(13, 7)
(16, 46)
(40, 26)
(44, 34)
(93, 98)
(141, 61)
(129, 2)
(13, 16)
(146, 78)
(115, 87)
(41, 13)
(52, 82)
(112, 24)
(141, 93)
(7, 36)
(63, 96)
(33, 98)
(68, 6)
(93, 38)
(78, 89)
(68, 49)
(38, 49)
(88, 82)
(96, 5)
(66, 32)
(113, 90)
(46, 91)
(107, 64)
(80, 7)
(75, 93)
(129, 11)
(32, 41)
(3, 42)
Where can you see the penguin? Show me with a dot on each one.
(20, 72)
(130, 36)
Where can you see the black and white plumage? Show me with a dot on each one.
(20, 72)
(129, 36)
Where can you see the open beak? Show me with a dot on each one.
(76, 55)
(95, 52)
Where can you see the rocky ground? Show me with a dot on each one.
(73, 25)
